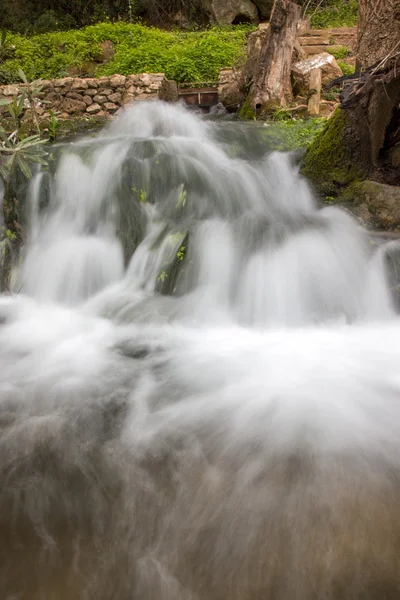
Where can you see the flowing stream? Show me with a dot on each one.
(199, 379)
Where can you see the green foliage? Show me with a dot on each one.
(333, 13)
(183, 56)
(162, 276)
(346, 68)
(53, 125)
(339, 51)
(19, 153)
(292, 134)
(181, 253)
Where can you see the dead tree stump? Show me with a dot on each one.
(271, 86)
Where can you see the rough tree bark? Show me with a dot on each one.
(362, 140)
(378, 30)
(272, 86)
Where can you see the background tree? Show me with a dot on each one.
(362, 136)
(378, 30)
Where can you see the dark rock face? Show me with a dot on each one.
(264, 8)
(226, 12)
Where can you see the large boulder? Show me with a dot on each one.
(264, 8)
(301, 71)
(225, 12)
(376, 203)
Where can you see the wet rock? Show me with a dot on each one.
(168, 91)
(377, 203)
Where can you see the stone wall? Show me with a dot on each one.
(100, 97)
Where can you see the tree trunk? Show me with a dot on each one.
(378, 30)
(272, 85)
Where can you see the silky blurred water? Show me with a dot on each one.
(199, 379)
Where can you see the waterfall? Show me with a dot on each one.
(199, 381)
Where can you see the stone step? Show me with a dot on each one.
(313, 40)
(314, 49)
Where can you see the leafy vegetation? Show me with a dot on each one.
(42, 16)
(346, 68)
(290, 134)
(333, 13)
(339, 52)
(183, 56)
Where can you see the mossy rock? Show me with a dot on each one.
(328, 162)
(377, 204)
(247, 113)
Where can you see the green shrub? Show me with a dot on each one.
(339, 51)
(183, 56)
(347, 69)
(334, 13)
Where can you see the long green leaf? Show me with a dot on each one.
(5, 101)
(23, 165)
(22, 76)
(39, 160)
(4, 172)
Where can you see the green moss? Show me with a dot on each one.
(247, 113)
(328, 161)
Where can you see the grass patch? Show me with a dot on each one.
(183, 56)
(336, 13)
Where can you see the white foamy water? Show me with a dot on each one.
(199, 381)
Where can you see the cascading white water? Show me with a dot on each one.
(199, 381)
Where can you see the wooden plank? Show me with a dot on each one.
(315, 92)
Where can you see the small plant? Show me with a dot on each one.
(53, 125)
(162, 276)
(346, 68)
(181, 197)
(181, 253)
(142, 196)
(339, 51)
(15, 152)
(281, 114)
(31, 93)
